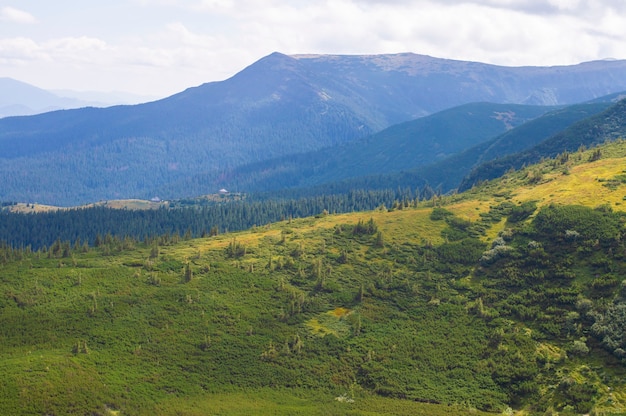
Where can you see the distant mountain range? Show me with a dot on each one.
(279, 106)
(18, 98)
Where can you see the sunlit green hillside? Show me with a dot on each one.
(509, 298)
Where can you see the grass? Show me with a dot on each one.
(302, 402)
(315, 319)
(581, 186)
(146, 338)
(576, 181)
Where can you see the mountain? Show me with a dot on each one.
(400, 147)
(406, 155)
(277, 106)
(423, 84)
(606, 126)
(507, 299)
(558, 131)
(19, 98)
(448, 174)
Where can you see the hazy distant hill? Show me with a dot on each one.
(18, 98)
(106, 99)
(280, 105)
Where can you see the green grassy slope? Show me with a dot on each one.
(489, 301)
(609, 124)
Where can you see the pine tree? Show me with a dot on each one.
(188, 273)
(380, 242)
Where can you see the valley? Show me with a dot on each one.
(494, 300)
(225, 134)
(322, 235)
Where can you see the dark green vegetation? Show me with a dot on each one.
(138, 329)
(278, 106)
(413, 310)
(403, 156)
(591, 131)
(401, 147)
(188, 218)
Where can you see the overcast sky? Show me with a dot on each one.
(161, 47)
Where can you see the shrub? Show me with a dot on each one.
(610, 328)
(574, 221)
(439, 214)
(466, 251)
(235, 249)
(492, 255)
(521, 212)
(365, 228)
(578, 348)
(579, 395)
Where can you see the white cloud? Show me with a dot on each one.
(75, 45)
(11, 14)
(77, 53)
(181, 43)
(18, 51)
(510, 32)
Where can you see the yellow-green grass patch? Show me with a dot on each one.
(332, 322)
(583, 186)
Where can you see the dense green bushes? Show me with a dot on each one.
(523, 211)
(576, 222)
(334, 310)
(610, 327)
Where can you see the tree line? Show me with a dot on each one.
(90, 225)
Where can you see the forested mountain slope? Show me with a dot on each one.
(442, 176)
(503, 299)
(605, 126)
(400, 147)
(277, 106)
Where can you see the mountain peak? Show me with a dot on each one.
(277, 106)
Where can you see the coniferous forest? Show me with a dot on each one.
(190, 218)
(391, 244)
(508, 298)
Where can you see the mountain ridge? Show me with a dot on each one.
(274, 107)
(608, 125)
(312, 170)
(400, 147)
(18, 98)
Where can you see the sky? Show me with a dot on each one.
(161, 47)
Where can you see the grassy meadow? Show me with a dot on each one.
(493, 301)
